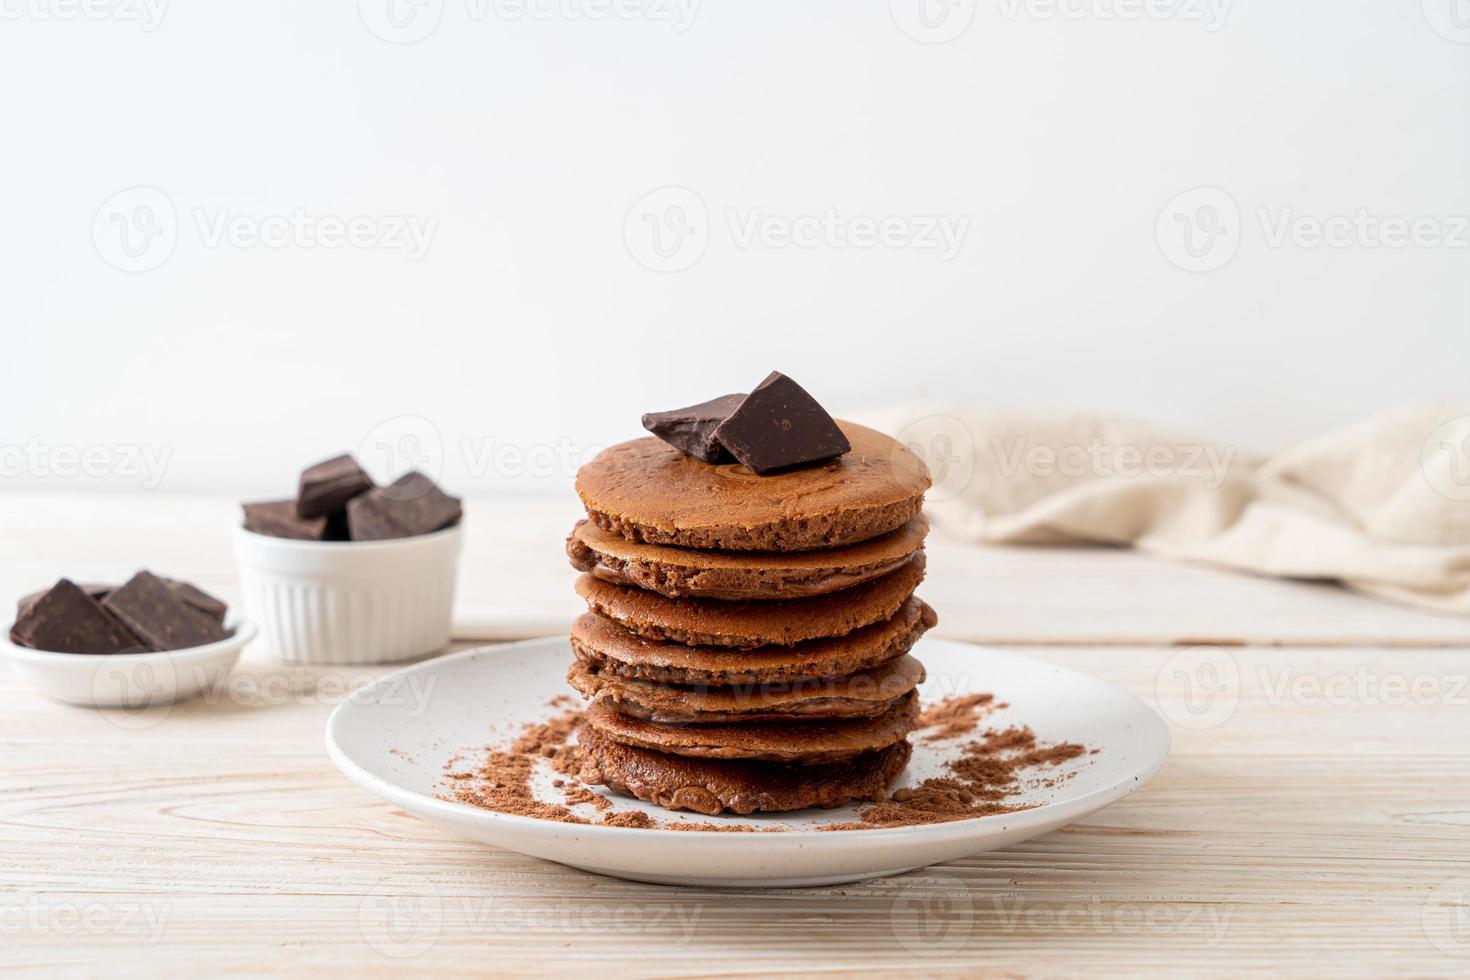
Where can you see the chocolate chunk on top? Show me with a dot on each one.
(279, 519)
(692, 429)
(779, 425)
(411, 505)
(327, 486)
(65, 619)
(157, 613)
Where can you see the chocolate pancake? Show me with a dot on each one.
(608, 648)
(678, 572)
(808, 742)
(646, 490)
(712, 786)
(860, 695)
(711, 622)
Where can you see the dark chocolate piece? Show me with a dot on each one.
(214, 608)
(692, 429)
(278, 519)
(410, 505)
(153, 610)
(780, 425)
(65, 619)
(328, 486)
(27, 602)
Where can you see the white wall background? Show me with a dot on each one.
(527, 140)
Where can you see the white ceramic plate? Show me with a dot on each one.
(394, 737)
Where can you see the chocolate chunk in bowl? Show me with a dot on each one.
(413, 504)
(65, 619)
(326, 487)
(160, 616)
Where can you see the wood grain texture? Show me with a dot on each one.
(1313, 818)
(515, 581)
(1300, 831)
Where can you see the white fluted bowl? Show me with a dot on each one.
(350, 602)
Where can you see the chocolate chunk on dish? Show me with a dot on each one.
(65, 619)
(154, 611)
(193, 595)
(411, 505)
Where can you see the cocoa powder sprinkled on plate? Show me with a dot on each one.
(955, 717)
(986, 771)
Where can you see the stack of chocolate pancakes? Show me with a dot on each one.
(746, 644)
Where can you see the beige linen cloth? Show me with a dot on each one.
(1382, 506)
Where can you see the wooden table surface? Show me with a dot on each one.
(1314, 816)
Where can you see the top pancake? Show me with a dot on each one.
(646, 490)
(677, 572)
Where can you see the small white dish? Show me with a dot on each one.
(395, 736)
(350, 602)
(129, 680)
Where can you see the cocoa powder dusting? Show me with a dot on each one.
(986, 772)
(502, 779)
(956, 716)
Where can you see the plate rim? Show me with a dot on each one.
(1064, 812)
